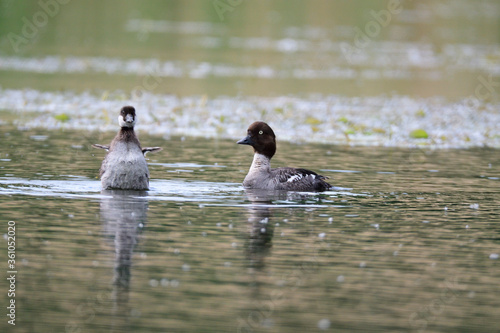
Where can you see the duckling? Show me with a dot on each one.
(125, 167)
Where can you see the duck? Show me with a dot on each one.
(124, 166)
(261, 176)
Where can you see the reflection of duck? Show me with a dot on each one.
(261, 229)
(123, 214)
(260, 176)
(125, 167)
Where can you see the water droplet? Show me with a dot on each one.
(324, 324)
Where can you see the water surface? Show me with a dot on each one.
(407, 240)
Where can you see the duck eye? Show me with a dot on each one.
(261, 132)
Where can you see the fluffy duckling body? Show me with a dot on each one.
(125, 167)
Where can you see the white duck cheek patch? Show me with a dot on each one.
(121, 122)
(124, 123)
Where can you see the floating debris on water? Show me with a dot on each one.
(382, 120)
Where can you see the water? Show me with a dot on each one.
(399, 110)
(405, 242)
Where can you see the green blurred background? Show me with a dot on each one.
(430, 48)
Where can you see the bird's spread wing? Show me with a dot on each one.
(146, 150)
(95, 145)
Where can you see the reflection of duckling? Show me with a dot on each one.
(123, 214)
(260, 176)
(125, 167)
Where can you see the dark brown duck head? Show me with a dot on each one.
(261, 137)
(127, 117)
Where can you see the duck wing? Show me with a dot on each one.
(301, 179)
(95, 145)
(146, 150)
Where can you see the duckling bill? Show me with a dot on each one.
(261, 176)
(124, 166)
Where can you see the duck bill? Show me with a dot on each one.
(245, 141)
